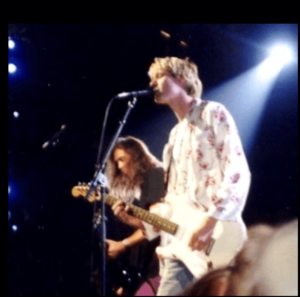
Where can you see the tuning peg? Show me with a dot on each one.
(79, 183)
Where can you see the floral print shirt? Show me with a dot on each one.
(207, 162)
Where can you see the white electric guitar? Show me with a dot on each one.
(183, 220)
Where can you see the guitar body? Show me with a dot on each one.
(178, 222)
(228, 238)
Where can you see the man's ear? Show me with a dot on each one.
(180, 81)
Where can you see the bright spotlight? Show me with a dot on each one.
(14, 227)
(281, 54)
(11, 44)
(12, 68)
(16, 114)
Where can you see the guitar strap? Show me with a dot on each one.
(169, 166)
(168, 174)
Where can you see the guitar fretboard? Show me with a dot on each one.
(140, 213)
(156, 220)
(147, 217)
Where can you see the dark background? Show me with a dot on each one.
(67, 73)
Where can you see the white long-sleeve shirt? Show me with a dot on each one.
(208, 163)
(208, 167)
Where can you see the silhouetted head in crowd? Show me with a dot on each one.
(266, 266)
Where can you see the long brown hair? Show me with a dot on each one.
(141, 161)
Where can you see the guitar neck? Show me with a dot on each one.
(144, 215)
(156, 220)
(147, 217)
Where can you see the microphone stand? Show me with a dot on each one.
(100, 179)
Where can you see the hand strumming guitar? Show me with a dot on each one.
(202, 236)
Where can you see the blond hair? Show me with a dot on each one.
(184, 69)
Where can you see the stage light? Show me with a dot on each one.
(11, 44)
(14, 227)
(16, 114)
(279, 56)
(12, 68)
(13, 192)
(165, 34)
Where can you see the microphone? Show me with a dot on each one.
(125, 95)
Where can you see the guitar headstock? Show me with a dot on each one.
(82, 189)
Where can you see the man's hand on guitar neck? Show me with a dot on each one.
(120, 210)
(202, 236)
